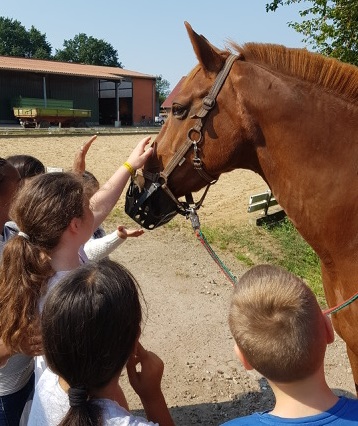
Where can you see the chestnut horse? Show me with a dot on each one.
(286, 114)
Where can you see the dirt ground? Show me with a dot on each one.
(186, 294)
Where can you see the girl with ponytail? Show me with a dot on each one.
(91, 324)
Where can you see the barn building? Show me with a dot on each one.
(167, 104)
(114, 95)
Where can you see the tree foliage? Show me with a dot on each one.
(162, 88)
(88, 50)
(15, 40)
(330, 27)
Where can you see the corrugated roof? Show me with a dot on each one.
(67, 68)
(168, 102)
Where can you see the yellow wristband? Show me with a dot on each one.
(129, 168)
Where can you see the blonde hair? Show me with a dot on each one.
(277, 324)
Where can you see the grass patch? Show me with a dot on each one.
(279, 245)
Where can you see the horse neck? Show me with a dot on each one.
(299, 146)
(297, 127)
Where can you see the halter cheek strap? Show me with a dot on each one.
(194, 137)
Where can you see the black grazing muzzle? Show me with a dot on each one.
(150, 207)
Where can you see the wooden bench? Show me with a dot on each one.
(264, 201)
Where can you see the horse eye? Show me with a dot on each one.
(178, 110)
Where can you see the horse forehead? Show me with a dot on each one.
(197, 81)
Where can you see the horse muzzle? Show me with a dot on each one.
(149, 207)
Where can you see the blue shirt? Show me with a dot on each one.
(343, 413)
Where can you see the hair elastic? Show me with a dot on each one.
(23, 235)
(77, 396)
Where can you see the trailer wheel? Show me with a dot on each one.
(28, 125)
(44, 124)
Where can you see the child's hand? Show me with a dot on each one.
(139, 154)
(145, 382)
(79, 162)
(124, 233)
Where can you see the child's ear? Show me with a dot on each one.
(328, 329)
(74, 225)
(242, 358)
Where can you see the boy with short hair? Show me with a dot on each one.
(281, 332)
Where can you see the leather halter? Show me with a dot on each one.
(194, 137)
(146, 205)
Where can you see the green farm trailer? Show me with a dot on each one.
(35, 112)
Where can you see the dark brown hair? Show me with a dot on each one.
(9, 179)
(90, 183)
(90, 324)
(27, 165)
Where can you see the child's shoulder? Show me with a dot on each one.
(347, 407)
(344, 412)
(252, 419)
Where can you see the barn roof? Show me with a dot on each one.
(168, 102)
(67, 68)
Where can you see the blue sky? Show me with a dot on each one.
(150, 36)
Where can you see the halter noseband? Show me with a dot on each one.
(136, 210)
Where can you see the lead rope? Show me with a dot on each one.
(193, 216)
(224, 269)
(337, 308)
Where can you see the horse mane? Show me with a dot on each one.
(329, 73)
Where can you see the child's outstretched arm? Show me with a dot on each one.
(106, 197)
(125, 233)
(146, 384)
(98, 248)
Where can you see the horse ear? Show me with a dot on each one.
(208, 55)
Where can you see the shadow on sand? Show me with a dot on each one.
(214, 414)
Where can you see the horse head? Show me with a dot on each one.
(189, 152)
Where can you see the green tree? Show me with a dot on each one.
(39, 47)
(162, 88)
(88, 50)
(15, 40)
(330, 27)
